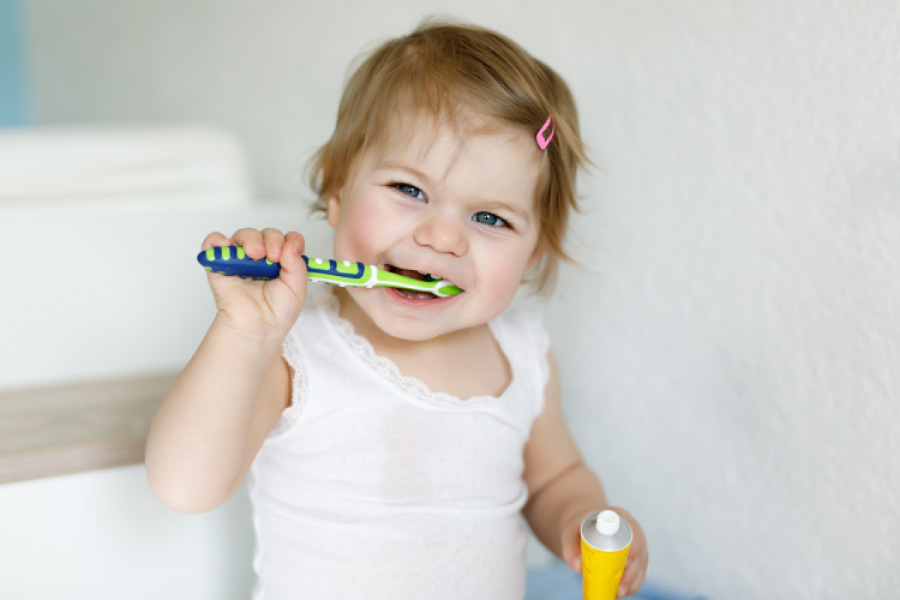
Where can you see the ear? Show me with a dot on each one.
(539, 249)
(333, 208)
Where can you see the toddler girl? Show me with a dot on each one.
(396, 440)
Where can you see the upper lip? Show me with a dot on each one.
(434, 273)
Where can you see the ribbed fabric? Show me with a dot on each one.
(371, 486)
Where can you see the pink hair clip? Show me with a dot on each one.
(542, 141)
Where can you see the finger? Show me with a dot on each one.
(572, 557)
(641, 570)
(252, 242)
(295, 242)
(638, 582)
(632, 578)
(571, 548)
(215, 239)
(626, 584)
(293, 268)
(274, 241)
(626, 581)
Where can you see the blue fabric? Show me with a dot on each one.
(560, 582)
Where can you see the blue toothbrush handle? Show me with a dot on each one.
(232, 260)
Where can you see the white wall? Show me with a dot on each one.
(730, 352)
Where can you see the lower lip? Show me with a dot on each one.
(398, 296)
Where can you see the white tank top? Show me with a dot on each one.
(372, 486)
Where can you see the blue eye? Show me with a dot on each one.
(410, 190)
(492, 220)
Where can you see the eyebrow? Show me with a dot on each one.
(483, 203)
(493, 205)
(391, 166)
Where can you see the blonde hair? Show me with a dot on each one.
(444, 68)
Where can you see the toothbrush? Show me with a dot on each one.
(232, 260)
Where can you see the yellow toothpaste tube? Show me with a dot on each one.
(605, 540)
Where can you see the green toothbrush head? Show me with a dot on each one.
(444, 288)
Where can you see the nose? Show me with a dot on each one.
(442, 233)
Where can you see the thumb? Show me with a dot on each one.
(293, 268)
(573, 559)
(571, 549)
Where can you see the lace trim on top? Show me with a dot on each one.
(412, 386)
(299, 385)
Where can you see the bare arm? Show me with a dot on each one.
(215, 418)
(561, 487)
(563, 491)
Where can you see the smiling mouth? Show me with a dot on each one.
(413, 274)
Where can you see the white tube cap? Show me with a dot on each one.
(608, 522)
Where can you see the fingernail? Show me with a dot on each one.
(620, 593)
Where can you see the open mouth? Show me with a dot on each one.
(417, 275)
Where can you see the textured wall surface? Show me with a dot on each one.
(731, 348)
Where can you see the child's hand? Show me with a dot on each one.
(635, 568)
(260, 307)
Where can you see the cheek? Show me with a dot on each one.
(356, 216)
(505, 270)
(364, 225)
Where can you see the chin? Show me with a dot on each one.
(411, 330)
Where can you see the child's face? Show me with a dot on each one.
(460, 207)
